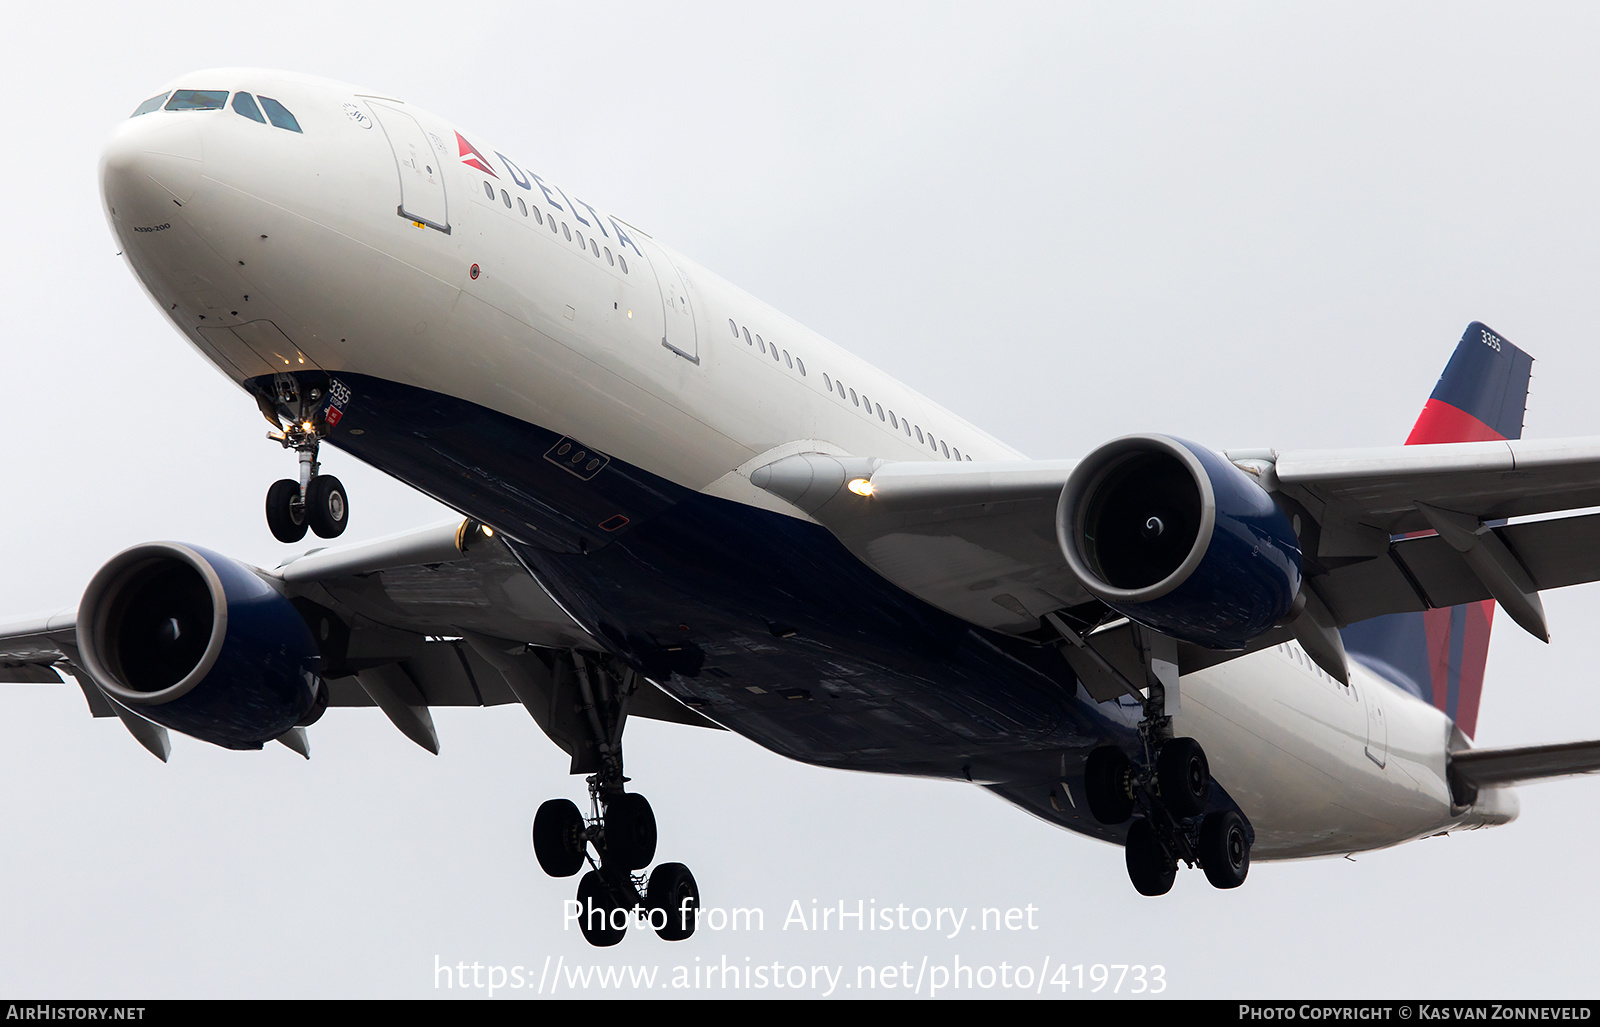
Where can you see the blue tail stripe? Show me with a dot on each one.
(1487, 377)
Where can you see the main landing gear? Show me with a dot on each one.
(620, 829)
(316, 501)
(1170, 793)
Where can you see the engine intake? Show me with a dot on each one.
(198, 643)
(1173, 536)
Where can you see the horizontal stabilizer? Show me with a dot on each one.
(1484, 767)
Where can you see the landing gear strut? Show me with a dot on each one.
(620, 829)
(1170, 792)
(316, 501)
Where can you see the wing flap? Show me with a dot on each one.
(1425, 572)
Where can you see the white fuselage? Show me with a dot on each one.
(274, 250)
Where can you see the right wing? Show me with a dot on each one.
(443, 616)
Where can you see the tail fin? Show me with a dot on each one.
(1439, 655)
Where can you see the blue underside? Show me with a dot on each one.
(763, 622)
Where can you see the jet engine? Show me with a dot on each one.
(1173, 536)
(198, 643)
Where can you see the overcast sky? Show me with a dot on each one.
(1250, 225)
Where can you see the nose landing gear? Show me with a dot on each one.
(316, 501)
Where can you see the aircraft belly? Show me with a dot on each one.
(761, 621)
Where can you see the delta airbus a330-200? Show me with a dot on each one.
(680, 504)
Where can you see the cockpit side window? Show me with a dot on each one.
(244, 103)
(279, 115)
(197, 100)
(152, 104)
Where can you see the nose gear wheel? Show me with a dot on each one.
(317, 501)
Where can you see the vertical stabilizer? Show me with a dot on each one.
(1439, 655)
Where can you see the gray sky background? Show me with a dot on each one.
(1247, 224)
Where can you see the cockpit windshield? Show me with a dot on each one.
(197, 100)
(152, 104)
(279, 115)
(244, 103)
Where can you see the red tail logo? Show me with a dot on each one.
(472, 158)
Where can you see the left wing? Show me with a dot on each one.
(980, 540)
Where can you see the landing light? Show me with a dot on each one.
(488, 532)
(860, 486)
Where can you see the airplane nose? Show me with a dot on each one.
(152, 163)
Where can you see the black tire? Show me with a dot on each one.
(630, 833)
(327, 506)
(558, 840)
(597, 918)
(673, 891)
(1224, 849)
(1183, 777)
(285, 516)
(1150, 869)
(1105, 783)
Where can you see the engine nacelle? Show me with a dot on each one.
(198, 643)
(1174, 537)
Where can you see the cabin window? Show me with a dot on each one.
(523, 207)
(538, 216)
(892, 422)
(787, 362)
(945, 450)
(594, 247)
(505, 198)
(733, 327)
(880, 411)
(580, 241)
(919, 434)
(827, 383)
(488, 190)
(747, 341)
(801, 364)
(623, 261)
(613, 262)
(853, 399)
(566, 231)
